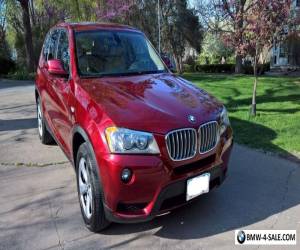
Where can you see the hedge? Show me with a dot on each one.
(230, 68)
(215, 68)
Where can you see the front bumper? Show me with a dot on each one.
(171, 197)
(155, 188)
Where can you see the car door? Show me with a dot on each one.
(59, 93)
(49, 51)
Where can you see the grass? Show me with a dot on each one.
(276, 127)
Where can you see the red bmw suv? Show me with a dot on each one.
(142, 140)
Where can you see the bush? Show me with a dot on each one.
(189, 64)
(230, 68)
(262, 68)
(21, 75)
(188, 68)
(7, 65)
(215, 68)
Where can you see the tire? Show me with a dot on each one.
(44, 135)
(89, 188)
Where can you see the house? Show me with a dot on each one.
(286, 55)
(190, 52)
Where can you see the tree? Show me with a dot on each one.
(236, 10)
(143, 15)
(211, 16)
(180, 27)
(109, 10)
(4, 50)
(224, 17)
(214, 49)
(30, 59)
(263, 20)
(30, 20)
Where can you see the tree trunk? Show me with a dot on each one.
(238, 64)
(78, 10)
(178, 64)
(32, 12)
(253, 106)
(30, 59)
(240, 5)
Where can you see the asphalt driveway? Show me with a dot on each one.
(39, 207)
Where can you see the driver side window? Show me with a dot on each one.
(51, 45)
(63, 50)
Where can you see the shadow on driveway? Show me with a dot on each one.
(18, 124)
(7, 83)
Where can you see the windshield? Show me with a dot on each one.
(102, 53)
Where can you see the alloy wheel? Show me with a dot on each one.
(40, 119)
(85, 188)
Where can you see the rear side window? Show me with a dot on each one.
(63, 50)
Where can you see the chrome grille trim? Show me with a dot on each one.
(208, 136)
(182, 144)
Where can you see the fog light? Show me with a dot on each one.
(126, 175)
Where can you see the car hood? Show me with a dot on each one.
(156, 103)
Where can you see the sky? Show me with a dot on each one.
(191, 3)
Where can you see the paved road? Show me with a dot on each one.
(39, 207)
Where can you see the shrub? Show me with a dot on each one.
(189, 64)
(21, 74)
(262, 68)
(229, 68)
(188, 68)
(215, 68)
(7, 65)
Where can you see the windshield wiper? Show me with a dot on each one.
(140, 72)
(123, 74)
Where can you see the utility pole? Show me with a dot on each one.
(158, 21)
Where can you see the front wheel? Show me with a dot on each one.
(90, 192)
(44, 134)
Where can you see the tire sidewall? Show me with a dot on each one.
(38, 105)
(46, 137)
(97, 192)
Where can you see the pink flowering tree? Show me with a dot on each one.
(260, 22)
(113, 9)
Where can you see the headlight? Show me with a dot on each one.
(126, 141)
(224, 121)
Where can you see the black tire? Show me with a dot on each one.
(97, 220)
(44, 135)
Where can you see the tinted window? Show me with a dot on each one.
(63, 50)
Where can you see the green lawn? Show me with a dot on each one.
(276, 127)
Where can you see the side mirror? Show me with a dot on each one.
(55, 67)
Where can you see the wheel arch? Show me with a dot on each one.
(36, 94)
(79, 136)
